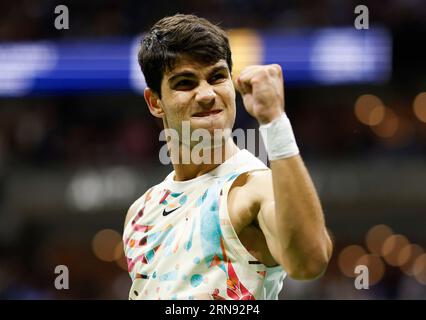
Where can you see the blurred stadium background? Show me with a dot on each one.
(78, 145)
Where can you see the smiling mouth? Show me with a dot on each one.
(207, 113)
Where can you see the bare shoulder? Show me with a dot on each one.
(255, 185)
(258, 184)
(251, 186)
(260, 178)
(245, 198)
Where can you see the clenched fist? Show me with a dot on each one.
(262, 89)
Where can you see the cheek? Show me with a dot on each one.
(177, 106)
(229, 98)
(227, 93)
(181, 101)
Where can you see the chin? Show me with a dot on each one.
(209, 125)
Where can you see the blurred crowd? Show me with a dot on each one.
(30, 20)
(119, 130)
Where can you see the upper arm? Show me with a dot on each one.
(307, 246)
(262, 184)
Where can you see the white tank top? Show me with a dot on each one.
(180, 244)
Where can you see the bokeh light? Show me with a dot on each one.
(419, 269)
(388, 126)
(375, 265)
(376, 236)
(408, 256)
(403, 134)
(369, 109)
(104, 244)
(419, 106)
(392, 247)
(348, 259)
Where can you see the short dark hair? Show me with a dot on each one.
(179, 35)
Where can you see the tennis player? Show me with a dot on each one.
(227, 229)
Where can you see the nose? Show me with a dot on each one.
(205, 95)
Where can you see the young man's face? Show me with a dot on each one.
(202, 94)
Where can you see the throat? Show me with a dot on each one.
(199, 164)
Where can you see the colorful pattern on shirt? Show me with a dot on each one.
(181, 244)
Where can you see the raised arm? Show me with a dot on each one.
(290, 214)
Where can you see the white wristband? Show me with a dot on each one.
(278, 138)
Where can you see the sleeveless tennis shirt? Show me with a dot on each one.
(179, 242)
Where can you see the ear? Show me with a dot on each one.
(154, 103)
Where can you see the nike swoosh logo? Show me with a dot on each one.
(166, 213)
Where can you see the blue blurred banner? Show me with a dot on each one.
(332, 56)
(327, 57)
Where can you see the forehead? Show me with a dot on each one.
(185, 63)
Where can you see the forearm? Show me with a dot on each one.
(292, 221)
(304, 243)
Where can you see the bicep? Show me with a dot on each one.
(266, 215)
(265, 219)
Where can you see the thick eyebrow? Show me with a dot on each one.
(189, 74)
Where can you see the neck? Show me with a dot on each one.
(209, 160)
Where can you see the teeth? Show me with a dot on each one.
(206, 113)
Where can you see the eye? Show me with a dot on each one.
(218, 77)
(184, 84)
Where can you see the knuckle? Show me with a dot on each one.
(241, 78)
(263, 72)
(274, 70)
